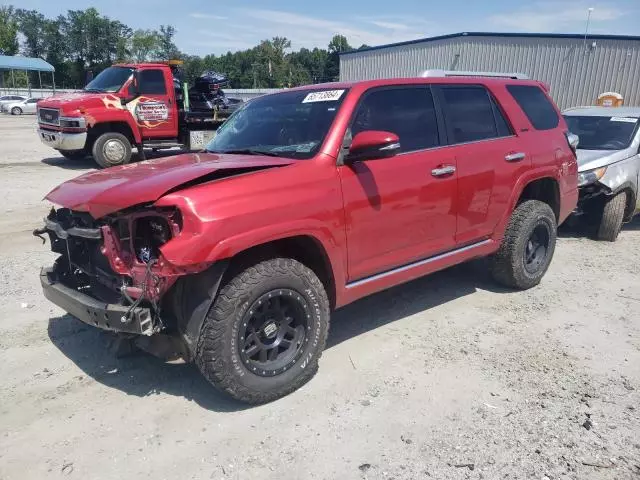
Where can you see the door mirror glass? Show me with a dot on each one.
(372, 145)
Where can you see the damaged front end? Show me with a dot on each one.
(111, 273)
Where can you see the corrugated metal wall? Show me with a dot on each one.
(577, 75)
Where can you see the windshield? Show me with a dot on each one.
(289, 124)
(602, 133)
(110, 80)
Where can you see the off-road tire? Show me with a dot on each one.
(218, 353)
(612, 217)
(16, 111)
(507, 264)
(98, 150)
(74, 154)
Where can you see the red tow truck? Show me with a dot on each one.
(126, 106)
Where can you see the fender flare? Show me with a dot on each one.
(115, 116)
(516, 193)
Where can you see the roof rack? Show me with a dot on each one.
(456, 73)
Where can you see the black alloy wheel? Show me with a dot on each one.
(535, 252)
(274, 332)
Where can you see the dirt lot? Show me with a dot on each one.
(448, 377)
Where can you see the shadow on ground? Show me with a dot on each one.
(578, 228)
(88, 163)
(142, 375)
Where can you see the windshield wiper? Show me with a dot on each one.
(247, 151)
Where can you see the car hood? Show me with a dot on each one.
(590, 159)
(71, 102)
(106, 191)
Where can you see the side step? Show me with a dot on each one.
(162, 144)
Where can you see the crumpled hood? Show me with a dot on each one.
(590, 159)
(116, 188)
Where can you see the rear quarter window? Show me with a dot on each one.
(536, 106)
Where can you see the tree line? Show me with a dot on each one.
(82, 43)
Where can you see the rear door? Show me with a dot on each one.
(155, 110)
(488, 155)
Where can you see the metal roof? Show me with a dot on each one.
(496, 34)
(24, 63)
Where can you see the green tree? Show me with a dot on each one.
(167, 50)
(145, 45)
(337, 45)
(8, 31)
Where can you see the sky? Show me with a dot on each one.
(205, 27)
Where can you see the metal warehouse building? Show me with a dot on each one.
(576, 69)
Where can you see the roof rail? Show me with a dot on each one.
(455, 73)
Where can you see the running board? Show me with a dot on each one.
(420, 263)
(162, 144)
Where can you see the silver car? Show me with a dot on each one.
(18, 108)
(4, 99)
(608, 165)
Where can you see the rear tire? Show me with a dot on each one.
(265, 332)
(528, 246)
(16, 111)
(612, 217)
(111, 149)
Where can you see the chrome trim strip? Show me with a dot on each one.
(419, 263)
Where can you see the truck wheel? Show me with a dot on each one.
(612, 216)
(111, 149)
(16, 111)
(528, 245)
(264, 334)
(73, 154)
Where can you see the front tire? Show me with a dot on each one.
(612, 217)
(73, 154)
(111, 149)
(16, 111)
(265, 332)
(528, 246)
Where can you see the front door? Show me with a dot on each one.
(400, 209)
(155, 110)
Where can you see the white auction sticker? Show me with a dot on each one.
(323, 96)
(624, 119)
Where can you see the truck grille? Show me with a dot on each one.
(49, 116)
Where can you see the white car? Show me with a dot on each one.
(18, 108)
(4, 99)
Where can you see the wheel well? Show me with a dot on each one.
(118, 127)
(546, 190)
(305, 249)
(630, 207)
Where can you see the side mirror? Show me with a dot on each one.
(133, 90)
(373, 145)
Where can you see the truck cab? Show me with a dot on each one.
(126, 106)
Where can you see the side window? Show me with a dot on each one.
(152, 82)
(536, 106)
(471, 114)
(408, 112)
(504, 130)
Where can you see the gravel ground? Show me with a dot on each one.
(448, 377)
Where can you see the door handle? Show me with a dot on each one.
(515, 157)
(443, 170)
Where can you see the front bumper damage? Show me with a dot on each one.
(98, 277)
(106, 316)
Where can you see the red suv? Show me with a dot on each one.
(305, 201)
